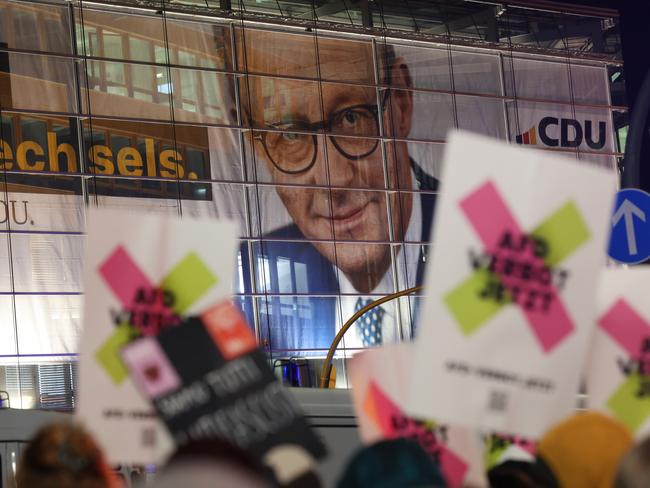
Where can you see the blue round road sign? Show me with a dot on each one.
(629, 241)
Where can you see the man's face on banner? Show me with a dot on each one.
(348, 159)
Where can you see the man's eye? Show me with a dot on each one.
(351, 118)
(290, 136)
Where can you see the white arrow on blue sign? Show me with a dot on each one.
(630, 237)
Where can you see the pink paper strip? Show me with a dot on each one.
(491, 220)
(123, 276)
(625, 326)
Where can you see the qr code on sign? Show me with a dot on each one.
(148, 437)
(498, 401)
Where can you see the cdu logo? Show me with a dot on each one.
(528, 137)
(571, 133)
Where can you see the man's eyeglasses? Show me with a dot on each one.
(295, 152)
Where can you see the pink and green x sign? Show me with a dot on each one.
(629, 330)
(394, 423)
(563, 231)
(188, 280)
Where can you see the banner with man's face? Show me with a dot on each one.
(327, 150)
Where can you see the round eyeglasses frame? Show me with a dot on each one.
(326, 125)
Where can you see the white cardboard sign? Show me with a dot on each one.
(618, 373)
(379, 385)
(142, 273)
(519, 239)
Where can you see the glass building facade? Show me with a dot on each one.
(321, 131)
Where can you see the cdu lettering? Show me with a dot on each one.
(9, 213)
(572, 133)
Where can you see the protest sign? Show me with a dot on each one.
(379, 380)
(520, 237)
(500, 448)
(207, 378)
(618, 372)
(143, 273)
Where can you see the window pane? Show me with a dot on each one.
(590, 84)
(297, 326)
(428, 68)
(364, 268)
(280, 103)
(37, 143)
(411, 263)
(115, 35)
(425, 164)
(138, 193)
(412, 215)
(203, 97)
(346, 60)
(291, 212)
(287, 158)
(35, 82)
(5, 269)
(294, 267)
(355, 162)
(223, 154)
(47, 263)
(48, 324)
(476, 73)
(161, 150)
(352, 109)
(381, 325)
(34, 27)
(7, 331)
(277, 53)
(412, 307)
(529, 78)
(481, 115)
(97, 190)
(433, 115)
(200, 44)
(362, 215)
(41, 203)
(136, 149)
(218, 201)
(125, 90)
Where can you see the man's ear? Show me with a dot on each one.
(401, 102)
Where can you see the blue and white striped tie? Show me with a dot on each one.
(369, 324)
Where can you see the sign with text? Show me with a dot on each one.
(207, 378)
(143, 274)
(379, 385)
(618, 373)
(520, 236)
(137, 150)
(500, 448)
(559, 127)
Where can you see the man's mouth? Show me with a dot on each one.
(347, 219)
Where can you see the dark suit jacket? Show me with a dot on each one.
(293, 324)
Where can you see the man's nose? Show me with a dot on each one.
(342, 170)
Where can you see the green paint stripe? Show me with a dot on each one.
(630, 409)
(108, 355)
(466, 305)
(188, 280)
(565, 230)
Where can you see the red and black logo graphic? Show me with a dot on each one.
(572, 133)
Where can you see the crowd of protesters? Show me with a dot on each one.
(587, 450)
